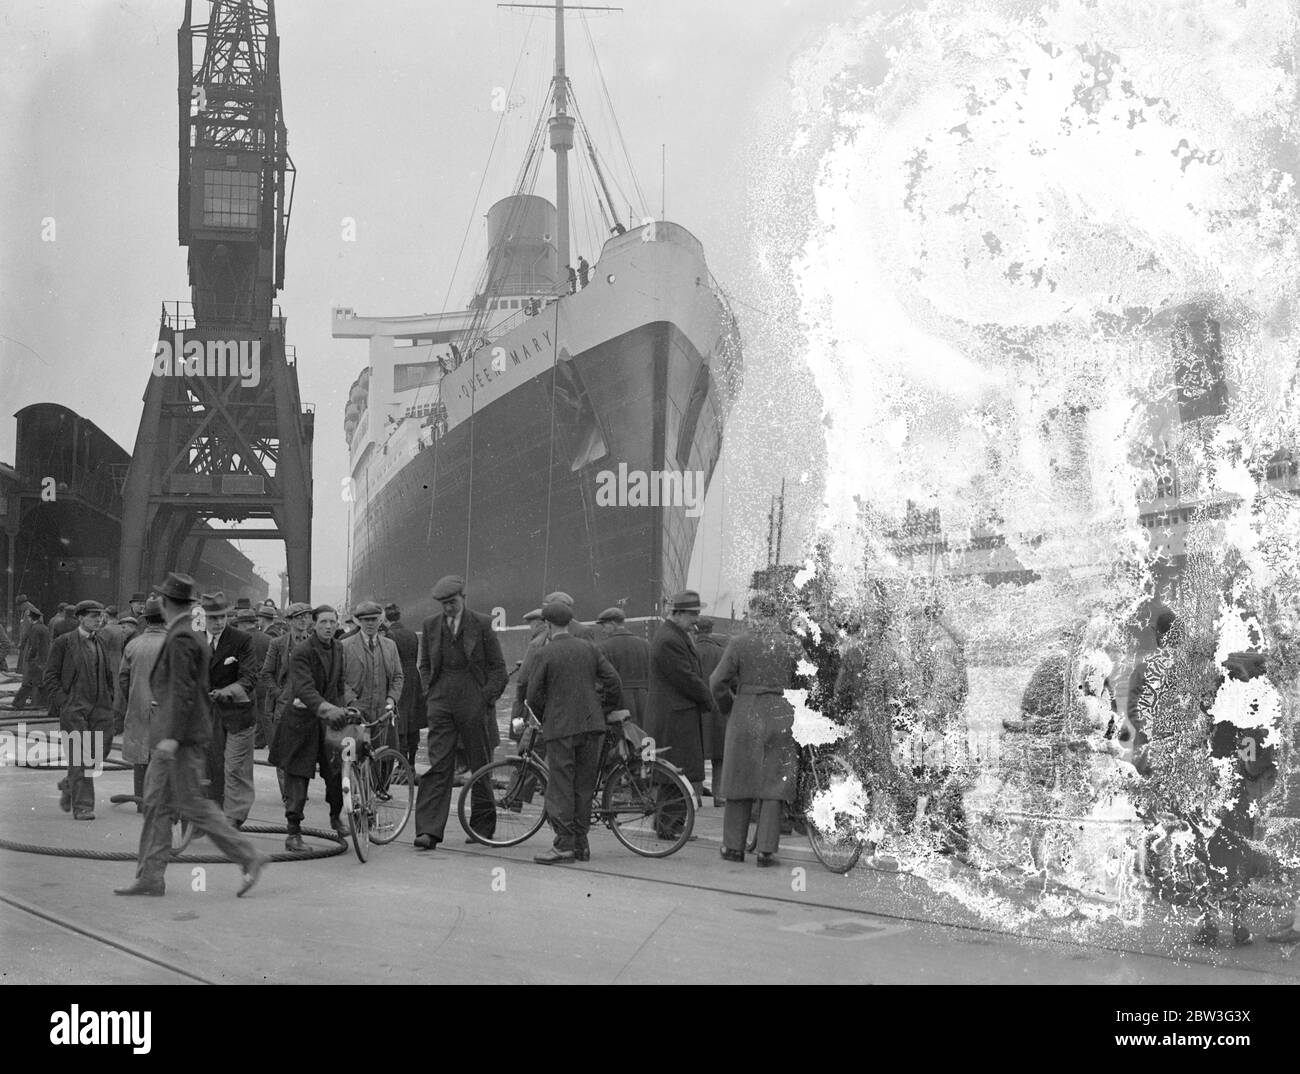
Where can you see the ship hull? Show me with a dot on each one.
(518, 498)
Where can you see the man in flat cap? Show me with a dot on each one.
(137, 603)
(463, 674)
(571, 687)
(79, 678)
(679, 697)
(232, 678)
(411, 713)
(318, 696)
(539, 635)
(630, 656)
(179, 728)
(32, 657)
(373, 669)
(273, 679)
(576, 628)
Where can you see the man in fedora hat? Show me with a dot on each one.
(630, 656)
(463, 674)
(232, 679)
(411, 713)
(679, 697)
(179, 730)
(563, 692)
(79, 678)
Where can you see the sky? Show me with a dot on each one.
(389, 112)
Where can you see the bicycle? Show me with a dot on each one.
(378, 786)
(644, 801)
(833, 833)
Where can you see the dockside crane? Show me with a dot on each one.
(224, 436)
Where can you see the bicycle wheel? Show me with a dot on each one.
(649, 807)
(517, 786)
(834, 840)
(392, 798)
(356, 803)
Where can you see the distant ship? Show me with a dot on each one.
(547, 437)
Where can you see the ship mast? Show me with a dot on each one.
(561, 126)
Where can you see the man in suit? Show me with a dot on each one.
(232, 677)
(247, 621)
(715, 721)
(32, 656)
(463, 673)
(180, 726)
(79, 678)
(563, 692)
(679, 696)
(317, 697)
(374, 672)
(273, 679)
(411, 715)
(630, 656)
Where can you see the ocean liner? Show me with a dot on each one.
(486, 441)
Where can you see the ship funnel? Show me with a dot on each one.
(522, 257)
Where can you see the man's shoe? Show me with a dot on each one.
(251, 872)
(555, 857)
(425, 842)
(294, 843)
(767, 860)
(65, 801)
(1290, 934)
(141, 888)
(83, 814)
(582, 853)
(340, 828)
(732, 855)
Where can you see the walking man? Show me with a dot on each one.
(463, 673)
(630, 656)
(32, 656)
(562, 691)
(232, 675)
(179, 730)
(318, 695)
(411, 715)
(78, 678)
(135, 698)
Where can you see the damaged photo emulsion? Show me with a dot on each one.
(1047, 286)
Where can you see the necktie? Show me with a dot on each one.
(371, 643)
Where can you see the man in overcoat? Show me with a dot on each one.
(715, 722)
(274, 676)
(630, 656)
(79, 680)
(179, 729)
(32, 657)
(134, 696)
(232, 677)
(318, 695)
(679, 697)
(411, 715)
(463, 673)
(570, 687)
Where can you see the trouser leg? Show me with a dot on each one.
(769, 825)
(586, 772)
(137, 780)
(159, 814)
(561, 790)
(239, 774)
(331, 771)
(22, 696)
(203, 813)
(295, 799)
(434, 798)
(735, 823)
(217, 763)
